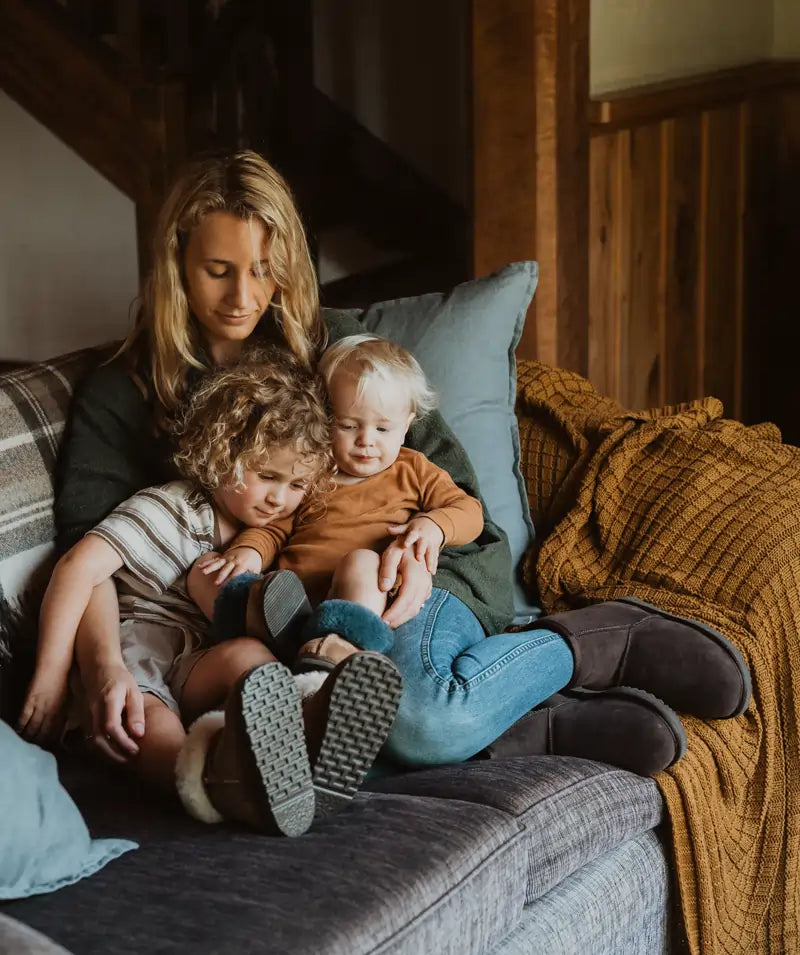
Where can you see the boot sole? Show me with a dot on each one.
(667, 714)
(720, 639)
(361, 711)
(285, 607)
(273, 722)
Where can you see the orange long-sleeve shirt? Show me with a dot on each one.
(355, 516)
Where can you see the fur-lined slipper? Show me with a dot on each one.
(361, 627)
(285, 607)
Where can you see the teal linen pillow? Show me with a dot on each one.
(465, 341)
(44, 842)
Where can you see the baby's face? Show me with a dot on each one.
(369, 428)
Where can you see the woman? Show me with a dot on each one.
(231, 266)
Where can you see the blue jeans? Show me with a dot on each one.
(462, 689)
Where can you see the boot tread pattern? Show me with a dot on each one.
(273, 720)
(362, 709)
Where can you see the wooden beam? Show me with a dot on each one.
(652, 102)
(47, 67)
(530, 70)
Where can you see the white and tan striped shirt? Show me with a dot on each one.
(158, 534)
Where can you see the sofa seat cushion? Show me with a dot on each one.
(392, 873)
(574, 810)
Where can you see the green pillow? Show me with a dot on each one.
(465, 340)
(44, 842)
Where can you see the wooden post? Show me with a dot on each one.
(530, 72)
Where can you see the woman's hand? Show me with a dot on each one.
(415, 587)
(236, 560)
(117, 712)
(424, 536)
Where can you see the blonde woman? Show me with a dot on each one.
(231, 270)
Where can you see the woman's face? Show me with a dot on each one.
(228, 282)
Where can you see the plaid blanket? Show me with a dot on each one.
(34, 401)
(701, 516)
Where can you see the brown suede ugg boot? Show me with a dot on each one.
(250, 764)
(347, 720)
(624, 727)
(686, 663)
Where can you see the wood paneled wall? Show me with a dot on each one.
(680, 235)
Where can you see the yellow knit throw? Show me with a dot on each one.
(701, 516)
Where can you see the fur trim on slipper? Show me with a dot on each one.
(350, 620)
(309, 683)
(190, 765)
(230, 608)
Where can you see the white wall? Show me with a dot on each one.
(68, 268)
(642, 41)
(401, 69)
(786, 28)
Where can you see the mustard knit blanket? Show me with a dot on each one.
(700, 515)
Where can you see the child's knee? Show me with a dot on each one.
(241, 654)
(357, 566)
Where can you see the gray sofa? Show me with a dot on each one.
(526, 855)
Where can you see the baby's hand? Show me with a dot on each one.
(237, 560)
(424, 536)
(43, 711)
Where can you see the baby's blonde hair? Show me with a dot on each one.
(164, 342)
(237, 417)
(369, 358)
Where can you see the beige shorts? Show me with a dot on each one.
(160, 658)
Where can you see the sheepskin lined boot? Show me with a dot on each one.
(686, 663)
(347, 716)
(250, 763)
(273, 606)
(336, 630)
(625, 727)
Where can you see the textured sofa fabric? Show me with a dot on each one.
(538, 855)
(410, 872)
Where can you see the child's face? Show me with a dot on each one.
(370, 428)
(271, 493)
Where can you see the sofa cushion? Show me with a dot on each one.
(389, 874)
(573, 809)
(465, 340)
(619, 903)
(48, 844)
(18, 939)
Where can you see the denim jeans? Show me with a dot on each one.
(462, 689)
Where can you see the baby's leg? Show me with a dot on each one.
(356, 580)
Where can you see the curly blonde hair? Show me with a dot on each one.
(164, 342)
(238, 416)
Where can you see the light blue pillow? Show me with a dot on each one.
(44, 842)
(465, 340)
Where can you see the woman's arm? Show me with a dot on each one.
(115, 701)
(87, 564)
(109, 452)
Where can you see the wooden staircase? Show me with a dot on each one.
(136, 86)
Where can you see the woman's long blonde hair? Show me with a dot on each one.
(164, 343)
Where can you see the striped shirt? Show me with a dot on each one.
(158, 534)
